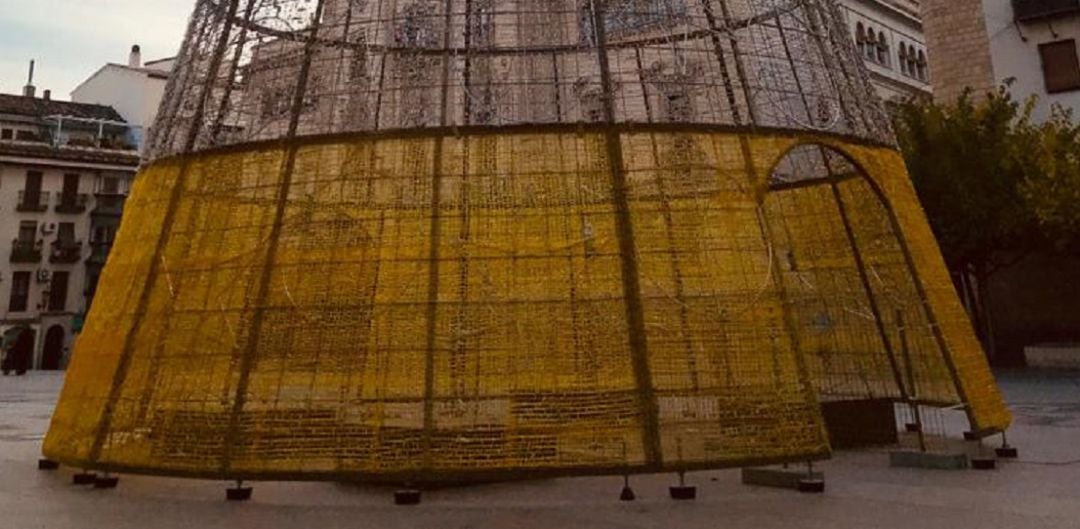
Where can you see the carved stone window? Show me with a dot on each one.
(628, 17)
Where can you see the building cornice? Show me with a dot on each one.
(909, 17)
(70, 158)
(899, 85)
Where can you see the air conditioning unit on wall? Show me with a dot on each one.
(43, 275)
(48, 227)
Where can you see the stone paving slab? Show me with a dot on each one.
(1040, 490)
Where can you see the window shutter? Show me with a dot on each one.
(1061, 69)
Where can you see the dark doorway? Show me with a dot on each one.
(18, 346)
(33, 187)
(71, 185)
(54, 348)
(58, 291)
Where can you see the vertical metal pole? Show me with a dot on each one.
(124, 362)
(928, 310)
(790, 324)
(860, 265)
(669, 228)
(248, 353)
(627, 250)
(848, 230)
(740, 68)
(912, 398)
(230, 81)
(434, 250)
(721, 59)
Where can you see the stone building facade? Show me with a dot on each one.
(1031, 46)
(889, 37)
(65, 169)
(957, 37)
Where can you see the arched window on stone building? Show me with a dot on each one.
(860, 38)
(913, 61)
(902, 58)
(882, 49)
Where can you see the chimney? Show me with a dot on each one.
(135, 59)
(46, 95)
(29, 90)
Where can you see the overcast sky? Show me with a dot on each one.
(71, 39)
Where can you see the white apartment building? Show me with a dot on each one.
(64, 171)
(1033, 45)
(889, 36)
(134, 89)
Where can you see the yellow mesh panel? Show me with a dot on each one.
(462, 306)
(984, 401)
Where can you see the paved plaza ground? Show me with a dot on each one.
(1040, 490)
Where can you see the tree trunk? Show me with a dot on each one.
(967, 297)
(986, 316)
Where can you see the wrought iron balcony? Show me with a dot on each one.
(33, 201)
(24, 251)
(72, 202)
(1025, 10)
(99, 253)
(65, 252)
(108, 204)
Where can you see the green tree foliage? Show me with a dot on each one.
(967, 167)
(995, 185)
(1051, 151)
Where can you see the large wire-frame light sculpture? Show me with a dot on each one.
(468, 239)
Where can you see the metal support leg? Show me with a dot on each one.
(47, 464)
(407, 497)
(239, 492)
(106, 481)
(812, 483)
(1005, 451)
(85, 477)
(627, 493)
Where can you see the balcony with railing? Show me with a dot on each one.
(99, 253)
(108, 204)
(70, 138)
(1025, 10)
(29, 201)
(26, 251)
(65, 252)
(72, 202)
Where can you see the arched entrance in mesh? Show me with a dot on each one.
(868, 330)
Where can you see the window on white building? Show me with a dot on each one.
(1061, 69)
(28, 232)
(58, 291)
(20, 292)
(882, 49)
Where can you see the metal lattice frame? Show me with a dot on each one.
(432, 239)
(256, 70)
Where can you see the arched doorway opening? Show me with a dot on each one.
(863, 323)
(18, 350)
(53, 353)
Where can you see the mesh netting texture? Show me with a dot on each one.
(463, 239)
